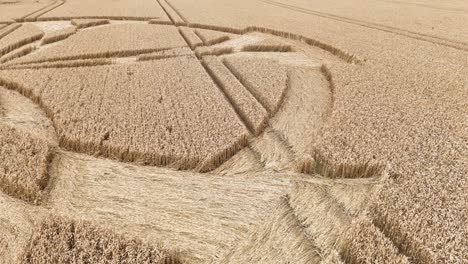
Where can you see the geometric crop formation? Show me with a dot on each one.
(169, 131)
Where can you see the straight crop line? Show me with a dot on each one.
(165, 11)
(219, 85)
(200, 37)
(61, 64)
(212, 42)
(129, 18)
(228, 98)
(237, 75)
(176, 11)
(341, 54)
(119, 54)
(425, 6)
(161, 57)
(50, 9)
(39, 10)
(404, 247)
(8, 31)
(407, 33)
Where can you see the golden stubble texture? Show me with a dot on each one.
(114, 40)
(174, 99)
(24, 164)
(60, 240)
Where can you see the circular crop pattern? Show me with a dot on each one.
(156, 94)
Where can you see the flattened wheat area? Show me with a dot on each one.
(250, 131)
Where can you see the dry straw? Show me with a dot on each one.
(321, 165)
(210, 37)
(264, 78)
(268, 45)
(347, 57)
(24, 35)
(60, 64)
(24, 164)
(125, 131)
(60, 240)
(213, 51)
(190, 37)
(113, 40)
(248, 108)
(280, 239)
(173, 15)
(84, 23)
(25, 50)
(35, 15)
(8, 29)
(164, 54)
(58, 35)
(365, 243)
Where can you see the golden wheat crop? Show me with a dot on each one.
(20, 52)
(116, 129)
(268, 45)
(125, 9)
(58, 35)
(185, 51)
(172, 14)
(214, 51)
(8, 28)
(363, 159)
(280, 239)
(16, 9)
(19, 37)
(61, 64)
(23, 168)
(305, 109)
(364, 243)
(266, 80)
(248, 108)
(60, 240)
(211, 37)
(113, 40)
(190, 37)
(90, 22)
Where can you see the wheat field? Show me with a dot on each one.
(265, 131)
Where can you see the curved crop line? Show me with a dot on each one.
(329, 77)
(202, 164)
(8, 49)
(17, 53)
(99, 55)
(343, 55)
